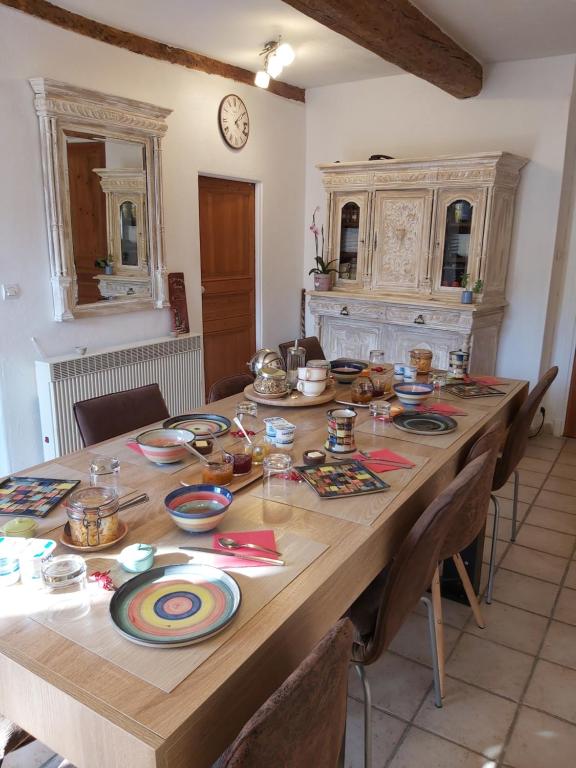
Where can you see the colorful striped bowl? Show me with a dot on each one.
(198, 508)
(164, 446)
(411, 395)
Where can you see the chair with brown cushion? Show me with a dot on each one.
(381, 609)
(12, 737)
(515, 447)
(303, 722)
(229, 385)
(101, 418)
(311, 344)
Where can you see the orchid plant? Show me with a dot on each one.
(322, 267)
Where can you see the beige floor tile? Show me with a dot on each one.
(560, 644)
(570, 444)
(506, 508)
(500, 549)
(31, 756)
(560, 485)
(552, 688)
(538, 465)
(552, 542)
(566, 606)
(530, 562)
(533, 479)
(413, 640)
(424, 750)
(398, 684)
(453, 614)
(552, 519)
(567, 457)
(473, 718)
(524, 592)
(386, 733)
(570, 580)
(504, 528)
(541, 452)
(548, 441)
(510, 626)
(525, 493)
(491, 666)
(541, 741)
(559, 501)
(563, 470)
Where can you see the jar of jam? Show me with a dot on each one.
(362, 389)
(242, 459)
(219, 472)
(93, 516)
(422, 359)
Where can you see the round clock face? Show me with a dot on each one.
(233, 121)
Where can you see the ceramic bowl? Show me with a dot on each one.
(411, 395)
(164, 446)
(345, 371)
(198, 508)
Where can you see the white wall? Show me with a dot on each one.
(523, 108)
(273, 156)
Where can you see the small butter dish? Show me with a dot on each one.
(137, 558)
(25, 527)
(203, 445)
(313, 458)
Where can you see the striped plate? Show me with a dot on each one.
(205, 424)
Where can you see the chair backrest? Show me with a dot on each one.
(311, 344)
(303, 722)
(11, 737)
(229, 385)
(411, 571)
(101, 418)
(472, 518)
(517, 437)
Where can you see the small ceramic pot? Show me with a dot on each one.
(322, 282)
(467, 297)
(341, 430)
(311, 388)
(312, 374)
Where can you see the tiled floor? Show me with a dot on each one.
(511, 687)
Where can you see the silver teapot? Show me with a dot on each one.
(265, 358)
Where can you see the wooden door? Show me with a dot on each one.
(228, 286)
(88, 214)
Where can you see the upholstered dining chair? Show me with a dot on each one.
(311, 344)
(229, 385)
(514, 449)
(303, 722)
(381, 609)
(101, 418)
(12, 737)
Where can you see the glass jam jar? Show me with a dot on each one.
(219, 472)
(271, 381)
(422, 359)
(362, 389)
(93, 516)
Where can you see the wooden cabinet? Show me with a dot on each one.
(403, 234)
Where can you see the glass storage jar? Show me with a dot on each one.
(422, 359)
(271, 381)
(362, 389)
(93, 516)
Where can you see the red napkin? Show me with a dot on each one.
(377, 466)
(444, 408)
(264, 538)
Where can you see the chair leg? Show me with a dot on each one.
(438, 627)
(438, 693)
(492, 565)
(515, 505)
(367, 715)
(469, 589)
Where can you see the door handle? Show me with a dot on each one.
(419, 320)
(202, 289)
(344, 311)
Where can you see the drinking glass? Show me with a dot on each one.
(438, 379)
(105, 472)
(247, 413)
(378, 374)
(380, 412)
(277, 470)
(65, 580)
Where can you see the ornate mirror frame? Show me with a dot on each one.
(62, 107)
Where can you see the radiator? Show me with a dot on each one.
(176, 364)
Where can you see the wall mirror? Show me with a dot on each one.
(102, 182)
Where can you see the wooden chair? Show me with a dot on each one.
(101, 418)
(381, 609)
(311, 344)
(229, 385)
(12, 737)
(303, 722)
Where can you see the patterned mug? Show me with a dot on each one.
(341, 430)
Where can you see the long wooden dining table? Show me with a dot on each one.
(99, 715)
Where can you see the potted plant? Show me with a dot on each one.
(322, 271)
(467, 295)
(477, 287)
(106, 264)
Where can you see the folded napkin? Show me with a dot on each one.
(443, 408)
(263, 538)
(381, 466)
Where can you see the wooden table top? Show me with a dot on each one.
(96, 714)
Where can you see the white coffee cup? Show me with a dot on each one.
(311, 388)
(312, 374)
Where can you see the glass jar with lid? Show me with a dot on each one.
(271, 381)
(422, 359)
(93, 516)
(362, 389)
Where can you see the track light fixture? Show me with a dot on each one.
(276, 55)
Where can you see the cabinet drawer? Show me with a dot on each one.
(436, 318)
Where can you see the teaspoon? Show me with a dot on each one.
(233, 544)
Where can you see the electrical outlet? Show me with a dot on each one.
(10, 292)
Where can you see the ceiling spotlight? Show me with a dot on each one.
(274, 65)
(262, 79)
(276, 56)
(286, 54)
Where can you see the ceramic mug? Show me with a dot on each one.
(324, 364)
(311, 374)
(341, 430)
(410, 373)
(311, 388)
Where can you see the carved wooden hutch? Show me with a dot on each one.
(404, 233)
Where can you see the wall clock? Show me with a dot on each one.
(233, 121)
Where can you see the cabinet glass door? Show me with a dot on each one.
(348, 236)
(456, 243)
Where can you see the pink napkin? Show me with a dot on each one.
(443, 408)
(264, 538)
(377, 466)
(133, 445)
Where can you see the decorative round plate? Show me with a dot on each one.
(175, 605)
(66, 539)
(202, 424)
(425, 423)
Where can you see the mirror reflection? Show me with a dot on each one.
(108, 213)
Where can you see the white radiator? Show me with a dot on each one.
(175, 364)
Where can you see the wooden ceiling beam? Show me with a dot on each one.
(402, 35)
(74, 22)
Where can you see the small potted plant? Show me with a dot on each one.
(477, 287)
(323, 270)
(106, 264)
(467, 295)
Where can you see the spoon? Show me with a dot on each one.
(233, 544)
(195, 452)
(239, 424)
(133, 502)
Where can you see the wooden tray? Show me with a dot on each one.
(66, 539)
(194, 477)
(293, 400)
